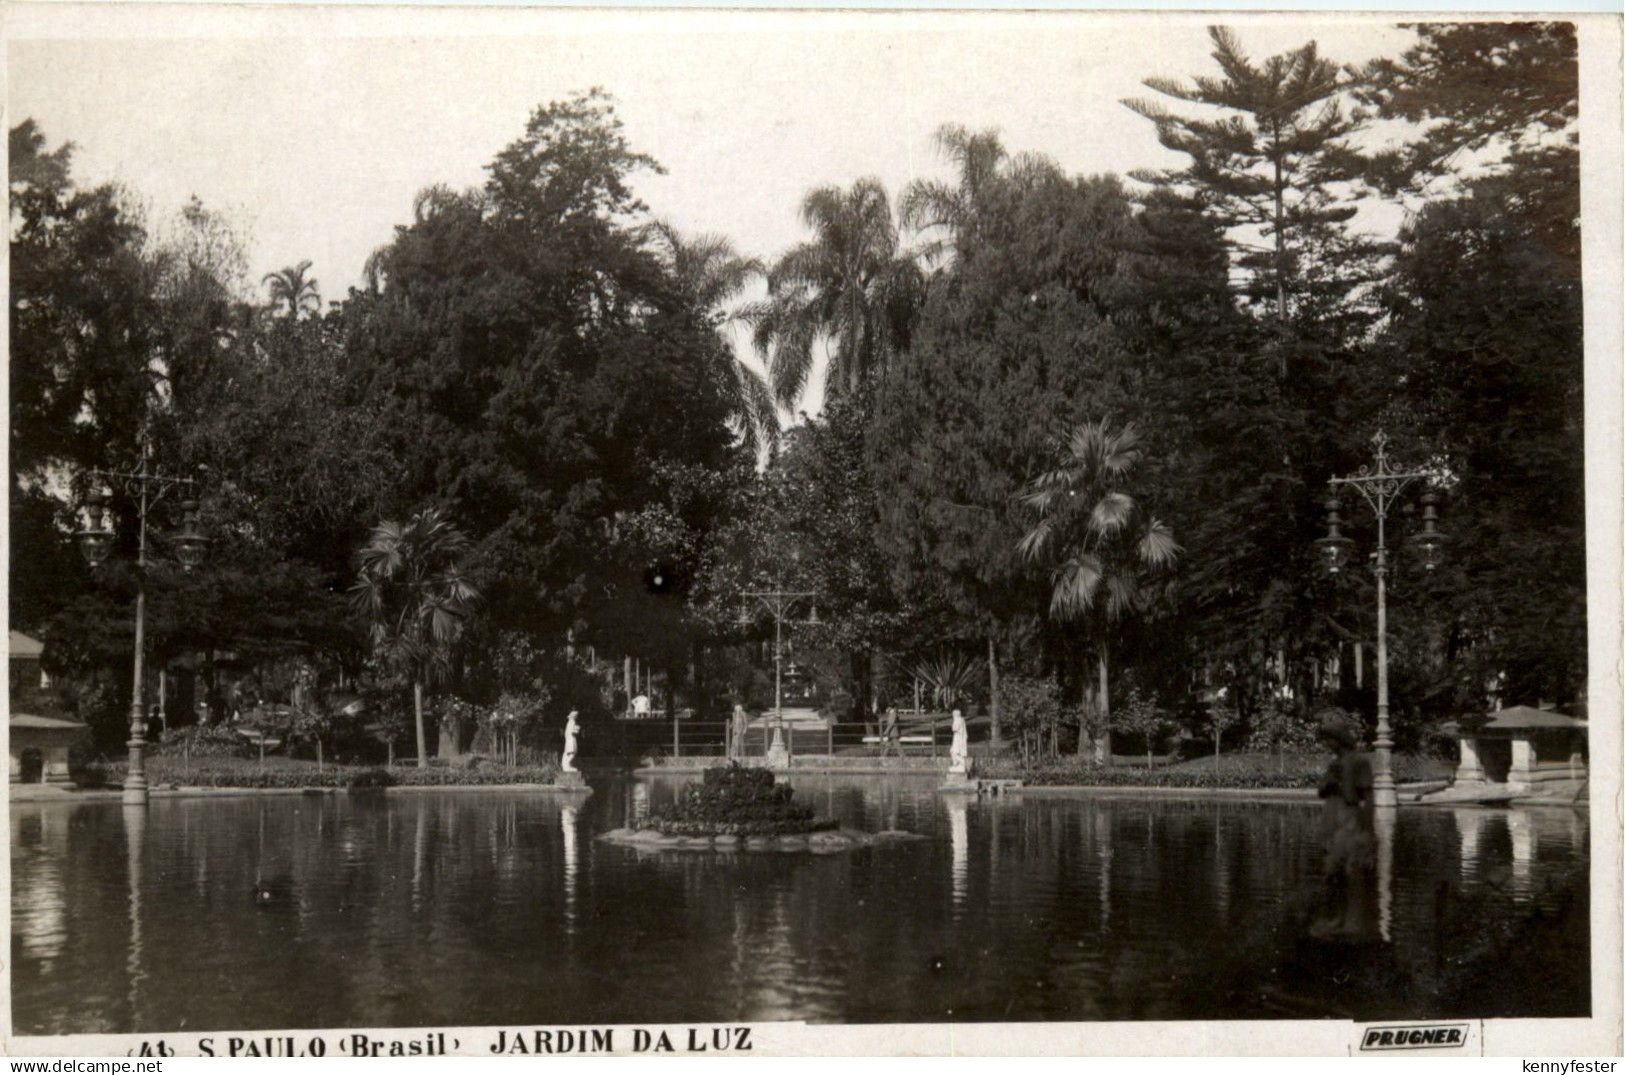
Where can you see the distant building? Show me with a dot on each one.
(1521, 750)
(26, 674)
(39, 748)
(1523, 745)
(39, 744)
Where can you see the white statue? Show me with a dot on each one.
(959, 752)
(568, 762)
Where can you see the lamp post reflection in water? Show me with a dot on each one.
(1385, 821)
(135, 838)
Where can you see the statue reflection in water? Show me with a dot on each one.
(959, 844)
(567, 828)
(1349, 911)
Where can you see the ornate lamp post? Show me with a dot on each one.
(147, 487)
(1381, 486)
(779, 604)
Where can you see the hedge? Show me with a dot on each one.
(1087, 772)
(248, 775)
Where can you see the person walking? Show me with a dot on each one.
(888, 733)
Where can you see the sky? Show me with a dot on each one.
(312, 128)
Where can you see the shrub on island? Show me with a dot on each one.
(737, 801)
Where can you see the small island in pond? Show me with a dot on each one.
(738, 808)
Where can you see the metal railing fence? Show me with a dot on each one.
(928, 735)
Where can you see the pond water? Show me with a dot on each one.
(492, 908)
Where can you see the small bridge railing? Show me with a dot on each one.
(917, 736)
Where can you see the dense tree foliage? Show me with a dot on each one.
(536, 362)
(1485, 336)
(540, 360)
(1273, 167)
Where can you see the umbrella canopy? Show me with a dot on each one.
(25, 648)
(1520, 718)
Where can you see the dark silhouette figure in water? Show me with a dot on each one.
(1349, 911)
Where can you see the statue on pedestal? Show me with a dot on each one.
(959, 752)
(567, 762)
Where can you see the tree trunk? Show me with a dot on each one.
(417, 712)
(1280, 242)
(697, 697)
(1103, 745)
(993, 693)
(1091, 704)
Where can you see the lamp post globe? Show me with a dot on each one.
(1334, 547)
(191, 546)
(96, 539)
(1429, 542)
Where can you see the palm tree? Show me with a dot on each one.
(930, 204)
(416, 599)
(953, 210)
(711, 274)
(850, 286)
(950, 676)
(289, 288)
(1105, 554)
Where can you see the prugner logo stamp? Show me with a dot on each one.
(1431, 1036)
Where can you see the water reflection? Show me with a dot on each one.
(1100, 831)
(1385, 822)
(38, 922)
(1470, 828)
(1522, 830)
(959, 841)
(567, 829)
(435, 908)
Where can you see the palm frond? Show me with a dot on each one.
(1074, 586)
